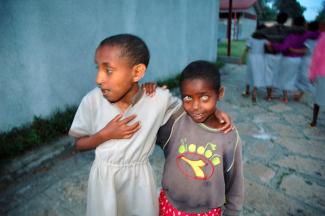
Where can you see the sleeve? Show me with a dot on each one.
(165, 131)
(173, 104)
(235, 182)
(82, 124)
(285, 45)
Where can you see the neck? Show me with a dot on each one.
(127, 99)
(212, 122)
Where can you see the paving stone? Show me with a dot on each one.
(247, 129)
(271, 202)
(37, 207)
(260, 171)
(280, 108)
(315, 133)
(266, 117)
(303, 165)
(303, 146)
(306, 191)
(262, 149)
(285, 130)
(295, 119)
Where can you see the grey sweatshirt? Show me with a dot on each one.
(203, 168)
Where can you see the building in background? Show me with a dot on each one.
(47, 47)
(244, 18)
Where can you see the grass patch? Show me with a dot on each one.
(39, 132)
(237, 48)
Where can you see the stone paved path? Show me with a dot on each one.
(284, 162)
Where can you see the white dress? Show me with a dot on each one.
(121, 181)
(272, 63)
(255, 62)
(287, 76)
(303, 83)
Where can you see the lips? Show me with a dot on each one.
(197, 116)
(105, 92)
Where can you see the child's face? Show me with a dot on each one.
(115, 75)
(199, 100)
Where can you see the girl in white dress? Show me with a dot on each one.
(290, 62)
(121, 181)
(255, 74)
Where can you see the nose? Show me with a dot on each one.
(99, 77)
(195, 105)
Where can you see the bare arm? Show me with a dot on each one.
(115, 129)
(298, 51)
(243, 56)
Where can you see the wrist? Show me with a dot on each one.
(101, 136)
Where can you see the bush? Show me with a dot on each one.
(39, 132)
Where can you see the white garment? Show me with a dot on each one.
(319, 96)
(303, 83)
(121, 181)
(255, 62)
(288, 72)
(272, 63)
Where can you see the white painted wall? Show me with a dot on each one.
(246, 27)
(47, 47)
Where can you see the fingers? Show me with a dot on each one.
(225, 120)
(128, 119)
(133, 126)
(132, 130)
(117, 117)
(226, 128)
(149, 88)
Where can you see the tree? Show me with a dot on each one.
(321, 14)
(291, 7)
(268, 12)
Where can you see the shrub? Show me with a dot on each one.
(39, 132)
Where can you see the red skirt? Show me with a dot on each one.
(166, 209)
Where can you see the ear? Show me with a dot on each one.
(221, 93)
(138, 72)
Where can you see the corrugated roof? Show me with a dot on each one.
(236, 4)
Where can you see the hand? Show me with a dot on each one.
(269, 46)
(225, 120)
(119, 129)
(149, 88)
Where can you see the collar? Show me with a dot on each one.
(137, 96)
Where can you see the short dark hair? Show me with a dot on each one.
(132, 47)
(313, 26)
(282, 17)
(299, 21)
(204, 70)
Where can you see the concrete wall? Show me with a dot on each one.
(47, 47)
